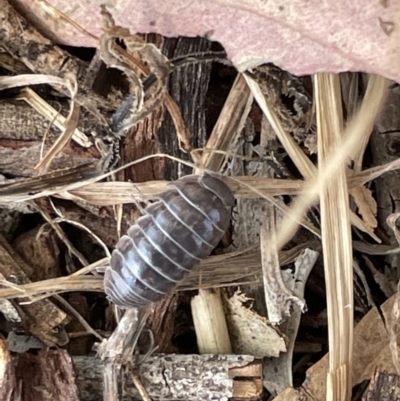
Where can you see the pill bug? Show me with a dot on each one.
(174, 234)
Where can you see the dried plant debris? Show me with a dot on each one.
(383, 386)
(251, 333)
(19, 37)
(210, 323)
(40, 318)
(259, 153)
(371, 349)
(167, 377)
(140, 105)
(278, 373)
(292, 102)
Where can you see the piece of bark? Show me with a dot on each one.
(161, 323)
(9, 222)
(78, 345)
(20, 121)
(8, 384)
(41, 56)
(142, 140)
(188, 86)
(172, 377)
(385, 147)
(47, 375)
(40, 318)
(251, 333)
(37, 377)
(21, 343)
(383, 386)
(50, 183)
(18, 158)
(40, 249)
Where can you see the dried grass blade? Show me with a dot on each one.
(302, 162)
(336, 237)
(370, 106)
(362, 196)
(370, 174)
(369, 112)
(230, 123)
(35, 79)
(42, 107)
(278, 297)
(64, 139)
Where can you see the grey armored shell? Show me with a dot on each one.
(173, 236)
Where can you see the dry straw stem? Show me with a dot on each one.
(235, 268)
(332, 166)
(301, 161)
(336, 239)
(47, 111)
(69, 81)
(118, 192)
(367, 112)
(229, 125)
(210, 323)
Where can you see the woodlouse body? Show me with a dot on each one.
(173, 236)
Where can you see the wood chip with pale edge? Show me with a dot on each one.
(250, 333)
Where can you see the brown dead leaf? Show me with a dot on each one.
(333, 35)
(371, 352)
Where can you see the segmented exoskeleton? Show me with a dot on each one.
(173, 236)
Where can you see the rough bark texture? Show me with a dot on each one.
(383, 387)
(20, 121)
(7, 373)
(47, 375)
(41, 249)
(39, 318)
(385, 147)
(161, 323)
(188, 87)
(42, 56)
(173, 377)
(37, 377)
(18, 158)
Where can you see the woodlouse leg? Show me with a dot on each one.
(137, 203)
(151, 350)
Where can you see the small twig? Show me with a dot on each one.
(60, 233)
(138, 384)
(80, 318)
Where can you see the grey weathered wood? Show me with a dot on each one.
(383, 387)
(20, 121)
(18, 158)
(168, 377)
(385, 147)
